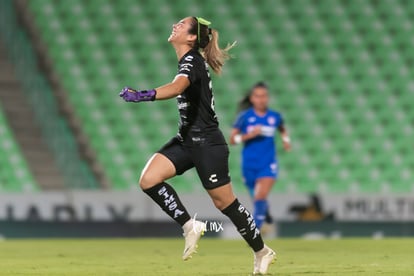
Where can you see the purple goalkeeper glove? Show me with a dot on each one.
(132, 95)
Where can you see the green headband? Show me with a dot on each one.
(201, 21)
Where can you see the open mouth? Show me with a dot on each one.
(172, 34)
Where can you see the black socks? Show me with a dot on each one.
(166, 197)
(245, 224)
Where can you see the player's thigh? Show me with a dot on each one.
(265, 179)
(170, 160)
(157, 169)
(211, 163)
(178, 154)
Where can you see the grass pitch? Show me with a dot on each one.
(216, 257)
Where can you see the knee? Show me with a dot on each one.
(219, 204)
(147, 181)
(262, 189)
(260, 196)
(222, 202)
(222, 196)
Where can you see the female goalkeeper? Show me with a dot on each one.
(199, 142)
(256, 127)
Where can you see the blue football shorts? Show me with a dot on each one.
(251, 175)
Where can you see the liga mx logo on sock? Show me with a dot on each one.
(207, 226)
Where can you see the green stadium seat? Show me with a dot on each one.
(329, 64)
(15, 176)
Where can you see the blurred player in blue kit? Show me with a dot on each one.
(256, 127)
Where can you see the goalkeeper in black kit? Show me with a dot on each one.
(199, 143)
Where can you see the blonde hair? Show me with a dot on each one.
(214, 55)
(208, 42)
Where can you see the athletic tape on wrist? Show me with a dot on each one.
(286, 139)
(238, 138)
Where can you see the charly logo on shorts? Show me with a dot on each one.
(213, 178)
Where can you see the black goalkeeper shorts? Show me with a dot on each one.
(210, 160)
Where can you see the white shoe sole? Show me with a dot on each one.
(272, 259)
(190, 250)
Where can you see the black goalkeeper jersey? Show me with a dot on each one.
(196, 103)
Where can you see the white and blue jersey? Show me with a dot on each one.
(259, 155)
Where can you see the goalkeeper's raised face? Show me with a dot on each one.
(180, 32)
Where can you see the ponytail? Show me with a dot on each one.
(245, 102)
(214, 55)
(207, 41)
